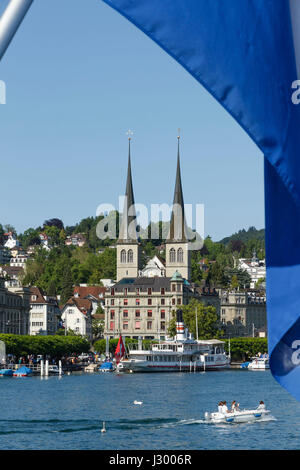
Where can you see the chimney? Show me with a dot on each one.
(180, 333)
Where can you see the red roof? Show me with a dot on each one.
(84, 305)
(95, 291)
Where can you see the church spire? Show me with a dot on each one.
(128, 225)
(177, 224)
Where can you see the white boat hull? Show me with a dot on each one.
(136, 365)
(236, 416)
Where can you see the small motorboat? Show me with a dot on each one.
(259, 362)
(6, 372)
(107, 367)
(236, 416)
(54, 369)
(136, 402)
(22, 372)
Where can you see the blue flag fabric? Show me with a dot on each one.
(242, 52)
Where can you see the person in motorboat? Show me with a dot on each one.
(220, 407)
(234, 406)
(261, 406)
(224, 408)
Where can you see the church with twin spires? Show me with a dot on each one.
(142, 301)
(177, 245)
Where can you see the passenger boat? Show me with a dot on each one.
(236, 416)
(6, 373)
(259, 362)
(183, 354)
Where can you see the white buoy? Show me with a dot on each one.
(103, 428)
(137, 402)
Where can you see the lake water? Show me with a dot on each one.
(67, 412)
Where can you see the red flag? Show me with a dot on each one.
(120, 350)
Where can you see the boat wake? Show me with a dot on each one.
(86, 425)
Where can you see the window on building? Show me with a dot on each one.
(173, 301)
(112, 291)
(149, 301)
(162, 301)
(137, 325)
(125, 325)
(149, 313)
(162, 325)
(163, 314)
(149, 325)
(178, 287)
(125, 313)
(125, 301)
(130, 256)
(180, 255)
(137, 301)
(173, 287)
(112, 314)
(123, 256)
(172, 255)
(149, 290)
(137, 290)
(162, 291)
(112, 302)
(112, 325)
(137, 313)
(179, 301)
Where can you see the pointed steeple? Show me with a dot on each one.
(177, 224)
(128, 225)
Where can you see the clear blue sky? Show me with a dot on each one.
(78, 75)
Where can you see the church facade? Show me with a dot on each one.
(142, 301)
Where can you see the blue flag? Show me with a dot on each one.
(244, 52)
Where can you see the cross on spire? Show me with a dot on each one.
(129, 133)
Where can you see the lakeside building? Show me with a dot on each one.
(254, 267)
(76, 315)
(10, 240)
(77, 239)
(95, 294)
(14, 309)
(12, 272)
(44, 313)
(142, 301)
(243, 313)
(19, 261)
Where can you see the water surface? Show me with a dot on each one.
(67, 412)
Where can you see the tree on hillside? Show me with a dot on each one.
(67, 285)
(207, 319)
(54, 223)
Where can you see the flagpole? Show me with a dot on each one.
(11, 20)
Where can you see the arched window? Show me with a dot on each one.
(123, 256)
(130, 256)
(172, 255)
(180, 255)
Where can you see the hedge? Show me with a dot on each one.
(242, 349)
(54, 345)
